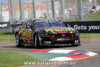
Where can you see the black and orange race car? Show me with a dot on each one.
(50, 33)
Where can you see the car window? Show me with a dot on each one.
(58, 24)
(42, 25)
(30, 22)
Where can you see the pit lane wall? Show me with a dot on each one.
(85, 26)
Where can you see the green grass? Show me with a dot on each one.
(92, 17)
(88, 17)
(90, 35)
(5, 36)
(12, 59)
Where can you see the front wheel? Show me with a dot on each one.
(37, 41)
(19, 43)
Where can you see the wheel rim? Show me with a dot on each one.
(17, 40)
(35, 41)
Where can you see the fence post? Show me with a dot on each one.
(1, 17)
(79, 6)
(10, 11)
(53, 8)
(47, 10)
(63, 8)
(34, 10)
(22, 17)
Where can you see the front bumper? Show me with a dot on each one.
(48, 40)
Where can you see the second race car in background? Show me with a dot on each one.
(50, 33)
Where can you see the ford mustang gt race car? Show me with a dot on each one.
(50, 33)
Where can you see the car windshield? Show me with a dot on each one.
(58, 24)
(42, 25)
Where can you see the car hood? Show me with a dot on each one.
(60, 30)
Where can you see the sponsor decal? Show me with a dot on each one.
(26, 40)
(47, 30)
(60, 30)
(89, 28)
(85, 26)
(4, 24)
(25, 33)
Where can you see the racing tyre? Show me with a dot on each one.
(37, 42)
(19, 43)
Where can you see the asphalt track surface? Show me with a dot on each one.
(87, 45)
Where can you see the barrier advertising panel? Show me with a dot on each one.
(4, 25)
(85, 26)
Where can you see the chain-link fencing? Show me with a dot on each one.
(64, 9)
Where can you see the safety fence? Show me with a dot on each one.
(44, 9)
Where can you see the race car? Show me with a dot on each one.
(48, 33)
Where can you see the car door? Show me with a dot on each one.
(22, 31)
(30, 30)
